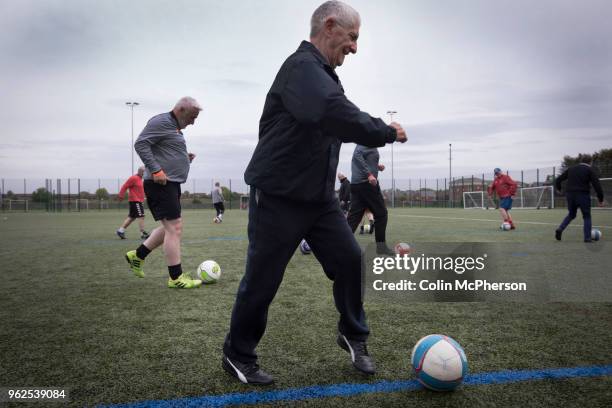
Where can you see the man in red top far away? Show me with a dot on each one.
(136, 197)
(505, 188)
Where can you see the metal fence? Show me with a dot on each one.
(442, 192)
(445, 193)
(76, 194)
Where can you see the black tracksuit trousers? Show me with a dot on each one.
(366, 196)
(276, 227)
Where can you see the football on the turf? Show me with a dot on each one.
(209, 271)
(366, 228)
(505, 226)
(305, 248)
(595, 234)
(439, 362)
(403, 249)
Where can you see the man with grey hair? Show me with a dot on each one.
(161, 147)
(306, 118)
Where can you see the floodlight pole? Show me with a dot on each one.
(450, 173)
(131, 105)
(391, 113)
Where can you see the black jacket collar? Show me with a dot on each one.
(306, 46)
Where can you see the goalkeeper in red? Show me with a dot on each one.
(505, 188)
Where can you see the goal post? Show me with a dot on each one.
(473, 199)
(606, 186)
(81, 204)
(18, 205)
(535, 198)
(244, 202)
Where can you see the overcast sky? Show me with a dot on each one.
(512, 84)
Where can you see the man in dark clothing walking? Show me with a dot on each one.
(577, 191)
(306, 118)
(344, 195)
(366, 194)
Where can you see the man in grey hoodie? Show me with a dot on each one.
(161, 146)
(366, 194)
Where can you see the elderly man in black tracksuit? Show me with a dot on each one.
(344, 195)
(577, 191)
(306, 118)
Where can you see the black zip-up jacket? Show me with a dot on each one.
(345, 190)
(578, 179)
(305, 119)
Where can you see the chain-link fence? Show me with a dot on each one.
(76, 194)
(449, 193)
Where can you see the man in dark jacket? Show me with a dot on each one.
(344, 195)
(577, 191)
(292, 174)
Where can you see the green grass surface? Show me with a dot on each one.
(73, 316)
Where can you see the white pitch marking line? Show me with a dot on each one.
(484, 219)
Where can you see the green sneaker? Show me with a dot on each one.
(184, 282)
(135, 263)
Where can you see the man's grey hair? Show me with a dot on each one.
(187, 102)
(343, 14)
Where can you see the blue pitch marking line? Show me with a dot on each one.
(347, 390)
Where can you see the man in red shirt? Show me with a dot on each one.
(136, 197)
(505, 188)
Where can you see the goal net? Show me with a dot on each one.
(81, 204)
(535, 198)
(473, 199)
(244, 202)
(18, 205)
(606, 186)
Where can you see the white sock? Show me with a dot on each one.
(121, 229)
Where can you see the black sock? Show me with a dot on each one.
(142, 251)
(175, 271)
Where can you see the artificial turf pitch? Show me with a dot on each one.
(73, 316)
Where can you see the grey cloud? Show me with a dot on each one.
(469, 129)
(535, 76)
(592, 94)
(233, 84)
(52, 36)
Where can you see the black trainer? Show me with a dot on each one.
(383, 249)
(120, 234)
(248, 373)
(558, 234)
(359, 354)
(144, 235)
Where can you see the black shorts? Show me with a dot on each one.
(164, 201)
(219, 207)
(136, 209)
